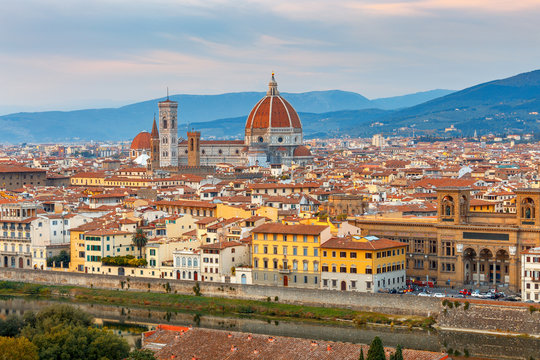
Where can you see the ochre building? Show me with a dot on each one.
(460, 247)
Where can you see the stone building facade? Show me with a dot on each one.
(464, 248)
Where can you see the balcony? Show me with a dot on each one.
(282, 270)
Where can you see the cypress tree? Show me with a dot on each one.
(376, 350)
(361, 354)
(399, 353)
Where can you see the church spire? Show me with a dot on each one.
(155, 132)
(272, 87)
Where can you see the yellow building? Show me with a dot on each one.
(103, 243)
(366, 264)
(477, 205)
(230, 211)
(288, 255)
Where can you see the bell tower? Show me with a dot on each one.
(168, 132)
(453, 204)
(194, 149)
(154, 147)
(528, 207)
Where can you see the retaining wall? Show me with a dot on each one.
(386, 303)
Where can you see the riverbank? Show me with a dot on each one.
(269, 309)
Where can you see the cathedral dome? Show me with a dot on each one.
(302, 151)
(273, 111)
(141, 141)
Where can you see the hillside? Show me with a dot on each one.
(500, 106)
(507, 105)
(125, 122)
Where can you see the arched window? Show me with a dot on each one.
(183, 261)
(189, 262)
(334, 268)
(306, 265)
(195, 262)
(295, 265)
(527, 209)
(315, 266)
(191, 146)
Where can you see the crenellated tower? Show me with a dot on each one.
(168, 132)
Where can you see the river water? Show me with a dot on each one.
(130, 322)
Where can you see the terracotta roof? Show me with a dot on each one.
(198, 343)
(349, 243)
(141, 141)
(273, 111)
(301, 151)
(276, 228)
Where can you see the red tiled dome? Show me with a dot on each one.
(302, 151)
(141, 141)
(273, 111)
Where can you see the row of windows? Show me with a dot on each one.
(294, 278)
(305, 238)
(13, 248)
(285, 250)
(534, 259)
(187, 262)
(93, 258)
(285, 264)
(352, 269)
(210, 260)
(19, 235)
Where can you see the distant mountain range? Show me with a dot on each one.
(508, 105)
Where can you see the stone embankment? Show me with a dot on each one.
(470, 314)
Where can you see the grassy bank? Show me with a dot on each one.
(271, 308)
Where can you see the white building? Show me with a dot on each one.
(187, 265)
(219, 260)
(530, 274)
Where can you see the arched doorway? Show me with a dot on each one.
(21, 263)
(195, 276)
(501, 268)
(6, 261)
(177, 274)
(285, 280)
(486, 265)
(470, 266)
(243, 279)
(121, 271)
(343, 286)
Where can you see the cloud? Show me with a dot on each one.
(58, 53)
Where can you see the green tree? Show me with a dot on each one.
(361, 354)
(139, 240)
(376, 350)
(65, 332)
(141, 355)
(12, 326)
(398, 355)
(77, 342)
(17, 348)
(62, 259)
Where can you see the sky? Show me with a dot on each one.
(62, 55)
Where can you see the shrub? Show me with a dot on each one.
(197, 289)
(276, 299)
(466, 306)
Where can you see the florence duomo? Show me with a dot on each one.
(273, 135)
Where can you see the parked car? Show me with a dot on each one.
(424, 294)
(439, 295)
(476, 293)
(465, 292)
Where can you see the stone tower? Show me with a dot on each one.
(194, 148)
(453, 204)
(168, 132)
(154, 147)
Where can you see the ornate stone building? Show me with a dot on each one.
(273, 135)
(464, 248)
